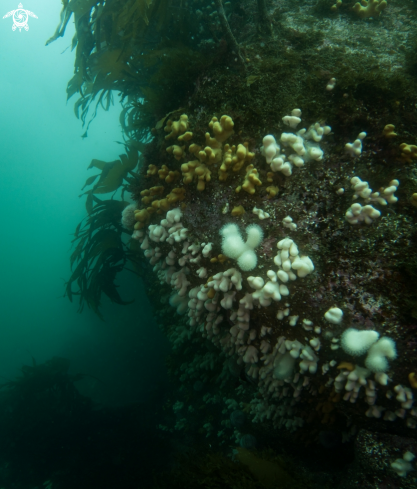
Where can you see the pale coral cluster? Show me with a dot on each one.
(208, 304)
(302, 146)
(367, 213)
(220, 306)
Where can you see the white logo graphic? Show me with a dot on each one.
(20, 18)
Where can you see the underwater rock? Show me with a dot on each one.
(374, 454)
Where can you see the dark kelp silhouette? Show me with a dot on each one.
(53, 435)
(100, 252)
(137, 47)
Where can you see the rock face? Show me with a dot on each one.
(374, 453)
(311, 326)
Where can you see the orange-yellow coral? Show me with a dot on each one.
(212, 152)
(388, 131)
(347, 365)
(149, 194)
(412, 378)
(238, 211)
(203, 175)
(156, 190)
(227, 162)
(142, 216)
(219, 258)
(251, 180)
(414, 199)
(272, 191)
(176, 195)
(175, 128)
(166, 174)
(234, 158)
(222, 129)
(161, 205)
(243, 156)
(152, 170)
(371, 8)
(194, 149)
(336, 5)
(211, 293)
(409, 152)
(188, 171)
(199, 171)
(176, 151)
(185, 137)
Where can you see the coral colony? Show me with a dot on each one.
(219, 292)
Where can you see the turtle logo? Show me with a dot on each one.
(20, 18)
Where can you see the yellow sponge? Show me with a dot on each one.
(371, 8)
(175, 128)
(251, 180)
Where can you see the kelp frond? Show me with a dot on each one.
(135, 47)
(112, 176)
(103, 47)
(100, 252)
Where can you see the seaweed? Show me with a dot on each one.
(100, 252)
(54, 436)
(126, 47)
(112, 174)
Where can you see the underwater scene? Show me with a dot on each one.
(209, 244)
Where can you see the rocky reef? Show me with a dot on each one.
(273, 213)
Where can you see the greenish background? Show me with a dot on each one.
(43, 163)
